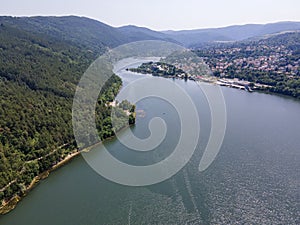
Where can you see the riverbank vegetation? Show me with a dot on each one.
(159, 69)
(38, 77)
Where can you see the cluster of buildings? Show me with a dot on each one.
(262, 58)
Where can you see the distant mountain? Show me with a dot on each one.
(291, 40)
(83, 32)
(134, 33)
(77, 30)
(231, 33)
(190, 39)
(97, 36)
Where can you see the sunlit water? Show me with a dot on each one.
(253, 180)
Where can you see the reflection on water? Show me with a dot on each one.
(254, 179)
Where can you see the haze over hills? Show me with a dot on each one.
(83, 32)
(80, 31)
(97, 35)
(134, 33)
(231, 33)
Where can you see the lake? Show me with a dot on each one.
(253, 180)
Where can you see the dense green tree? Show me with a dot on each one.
(38, 77)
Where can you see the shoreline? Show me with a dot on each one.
(229, 83)
(10, 204)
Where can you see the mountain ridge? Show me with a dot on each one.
(97, 35)
(231, 33)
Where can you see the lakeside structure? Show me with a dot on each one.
(170, 71)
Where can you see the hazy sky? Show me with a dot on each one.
(162, 14)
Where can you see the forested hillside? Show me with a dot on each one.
(79, 31)
(83, 32)
(43, 58)
(38, 77)
(198, 37)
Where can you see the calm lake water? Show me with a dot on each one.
(254, 179)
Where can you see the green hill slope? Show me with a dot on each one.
(38, 77)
